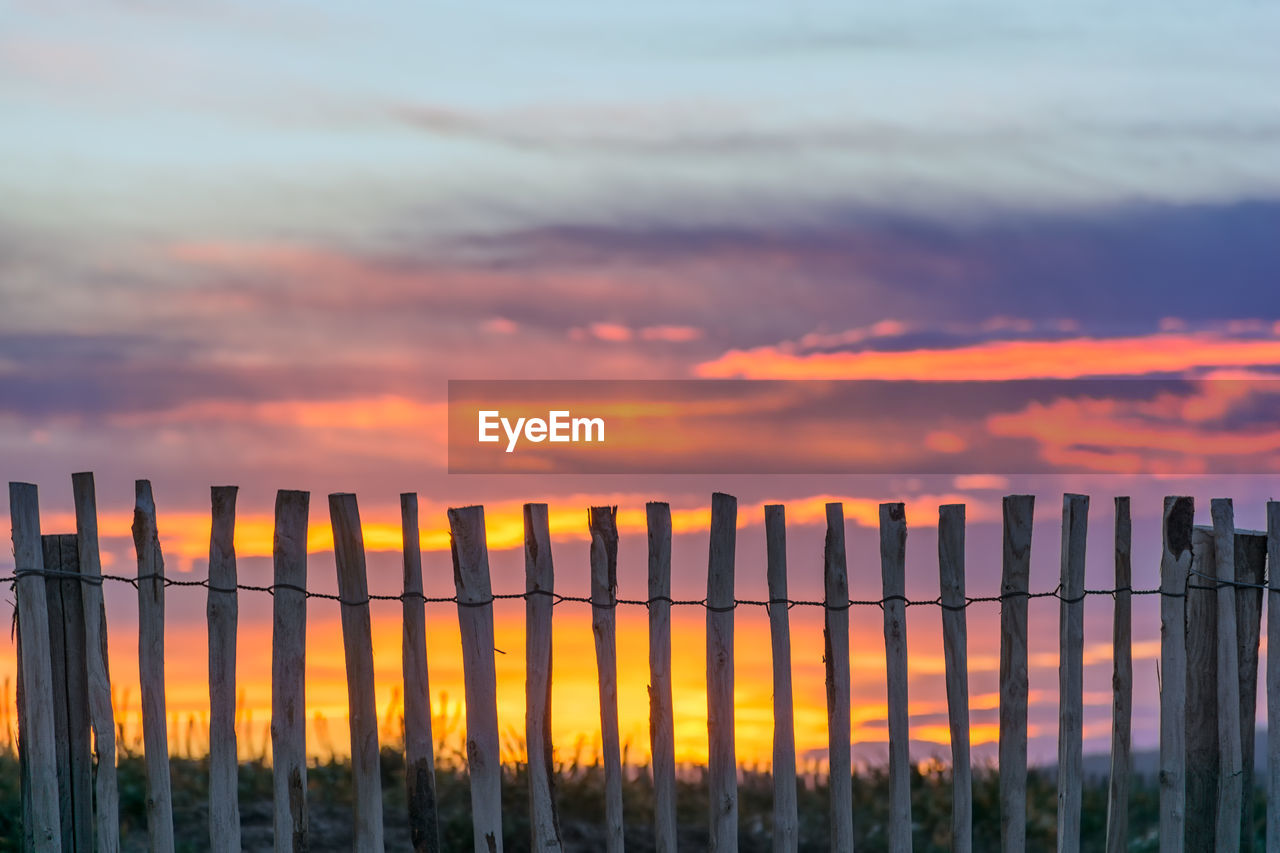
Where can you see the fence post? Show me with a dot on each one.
(1202, 744)
(70, 703)
(539, 584)
(43, 830)
(602, 523)
(224, 807)
(1251, 563)
(155, 724)
(80, 765)
(955, 644)
(353, 588)
(288, 671)
(1273, 678)
(1175, 566)
(475, 622)
(785, 818)
(1121, 684)
(1230, 792)
(661, 724)
(1014, 586)
(419, 764)
(893, 551)
(1075, 529)
(722, 762)
(107, 794)
(836, 635)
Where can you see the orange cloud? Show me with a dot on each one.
(1165, 434)
(996, 360)
(184, 535)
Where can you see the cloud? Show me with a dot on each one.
(670, 334)
(500, 326)
(1071, 358)
(1170, 433)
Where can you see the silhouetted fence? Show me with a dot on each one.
(1211, 583)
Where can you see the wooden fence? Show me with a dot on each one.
(1211, 583)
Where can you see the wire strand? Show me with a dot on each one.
(613, 602)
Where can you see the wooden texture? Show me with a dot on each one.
(539, 575)
(1075, 528)
(419, 750)
(1175, 567)
(1121, 684)
(98, 673)
(722, 766)
(836, 640)
(1230, 790)
(51, 547)
(955, 645)
(155, 729)
(602, 524)
(1251, 568)
(661, 725)
(475, 622)
(893, 555)
(221, 611)
(1273, 679)
(1014, 586)
(353, 587)
(70, 692)
(288, 672)
(41, 825)
(79, 750)
(1201, 743)
(785, 810)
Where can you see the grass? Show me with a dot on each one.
(579, 788)
(579, 793)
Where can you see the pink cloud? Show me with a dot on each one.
(500, 326)
(670, 334)
(611, 332)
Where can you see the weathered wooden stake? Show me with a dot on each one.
(1075, 528)
(1251, 567)
(1273, 678)
(1175, 567)
(419, 750)
(1121, 684)
(221, 610)
(288, 672)
(353, 587)
(786, 830)
(101, 715)
(155, 724)
(602, 524)
(661, 725)
(893, 552)
(955, 644)
(475, 622)
(70, 692)
(1014, 587)
(1202, 744)
(1230, 790)
(722, 766)
(836, 636)
(539, 585)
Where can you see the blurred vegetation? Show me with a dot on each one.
(579, 781)
(580, 797)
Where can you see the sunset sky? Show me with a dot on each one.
(250, 243)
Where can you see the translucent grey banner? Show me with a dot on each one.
(1120, 426)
